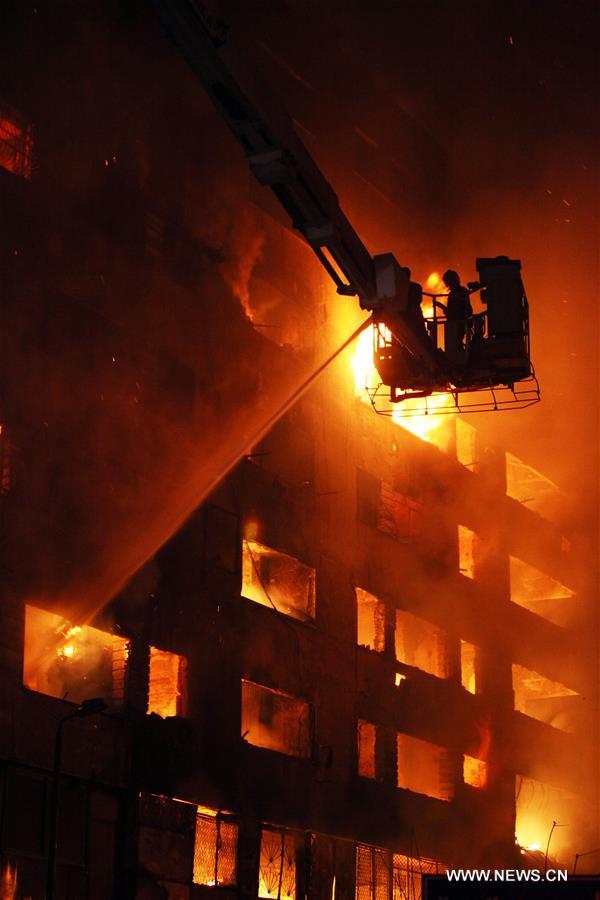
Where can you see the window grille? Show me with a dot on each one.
(277, 869)
(215, 851)
(373, 873)
(407, 875)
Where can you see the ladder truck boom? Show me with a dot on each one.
(408, 359)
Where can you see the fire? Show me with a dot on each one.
(366, 378)
(8, 882)
(71, 662)
(69, 649)
(433, 285)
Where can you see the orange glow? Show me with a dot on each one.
(8, 882)
(474, 772)
(466, 551)
(277, 868)
(433, 285)
(538, 806)
(367, 378)
(166, 691)
(251, 529)
(71, 662)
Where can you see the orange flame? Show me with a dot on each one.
(8, 882)
(366, 378)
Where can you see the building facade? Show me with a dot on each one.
(335, 653)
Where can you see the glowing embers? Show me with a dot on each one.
(424, 768)
(538, 806)
(275, 721)
(366, 734)
(540, 593)
(469, 668)
(541, 698)
(16, 142)
(167, 684)
(373, 873)
(370, 618)
(474, 772)
(532, 489)
(278, 581)
(72, 662)
(466, 551)
(215, 849)
(277, 866)
(420, 644)
(408, 873)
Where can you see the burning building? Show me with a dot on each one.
(336, 650)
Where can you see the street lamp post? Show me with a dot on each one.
(86, 708)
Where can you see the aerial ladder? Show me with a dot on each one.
(406, 353)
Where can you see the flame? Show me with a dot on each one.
(68, 650)
(433, 285)
(8, 882)
(366, 378)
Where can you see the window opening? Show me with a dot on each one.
(466, 551)
(540, 698)
(373, 873)
(277, 580)
(420, 644)
(370, 617)
(277, 867)
(474, 772)
(275, 721)
(167, 684)
(215, 849)
(408, 871)
(367, 738)
(72, 662)
(424, 768)
(468, 667)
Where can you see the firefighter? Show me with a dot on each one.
(458, 311)
(415, 298)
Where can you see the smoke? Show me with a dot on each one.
(135, 375)
(247, 244)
